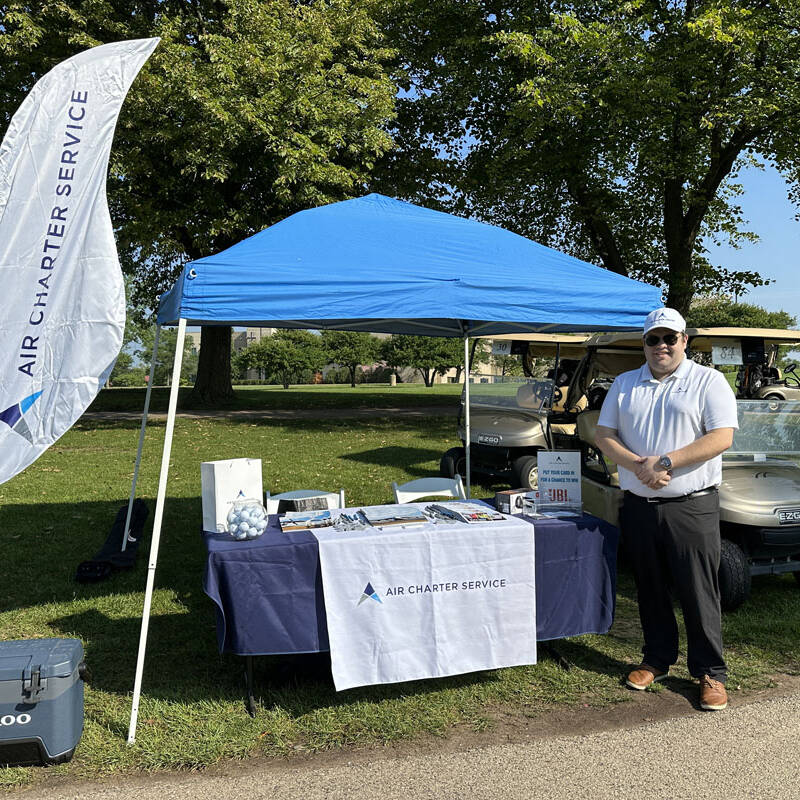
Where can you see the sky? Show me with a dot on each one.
(777, 255)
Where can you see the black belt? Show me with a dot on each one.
(679, 499)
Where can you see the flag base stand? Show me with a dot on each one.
(111, 557)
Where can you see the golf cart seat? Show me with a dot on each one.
(593, 463)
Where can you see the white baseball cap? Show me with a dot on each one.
(664, 318)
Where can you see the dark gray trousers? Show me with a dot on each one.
(674, 549)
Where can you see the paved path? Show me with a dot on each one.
(280, 413)
(749, 751)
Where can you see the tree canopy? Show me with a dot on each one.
(285, 354)
(247, 111)
(722, 312)
(610, 129)
(429, 355)
(351, 349)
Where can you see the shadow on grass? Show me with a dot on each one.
(395, 456)
(183, 666)
(575, 652)
(43, 543)
(303, 683)
(685, 688)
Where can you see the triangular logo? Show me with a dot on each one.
(12, 416)
(369, 594)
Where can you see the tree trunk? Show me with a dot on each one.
(213, 383)
(679, 242)
(680, 291)
(352, 368)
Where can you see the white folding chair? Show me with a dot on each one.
(429, 487)
(333, 499)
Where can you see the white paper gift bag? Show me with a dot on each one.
(225, 482)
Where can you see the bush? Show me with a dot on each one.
(133, 378)
(378, 375)
(341, 375)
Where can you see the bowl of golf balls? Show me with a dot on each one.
(247, 519)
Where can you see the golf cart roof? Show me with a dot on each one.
(700, 339)
(542, 345)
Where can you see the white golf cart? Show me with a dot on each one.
(512, 418)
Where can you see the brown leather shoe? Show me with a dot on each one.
(644, 676)
(713, 696)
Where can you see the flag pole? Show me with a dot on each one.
(466, 416)
(141, 438)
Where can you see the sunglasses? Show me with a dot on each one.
(651, 340)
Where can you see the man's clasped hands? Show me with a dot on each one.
(646, 471)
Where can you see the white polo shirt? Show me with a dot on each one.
(654, 417)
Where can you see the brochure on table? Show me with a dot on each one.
(425, 601)
(388, 516)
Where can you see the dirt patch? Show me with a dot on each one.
(675, 698)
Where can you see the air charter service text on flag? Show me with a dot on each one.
(62, 313)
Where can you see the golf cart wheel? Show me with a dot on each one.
(526, 472)
(773, 396)
(734, 576)
(454, 462)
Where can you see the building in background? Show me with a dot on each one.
(242, 339)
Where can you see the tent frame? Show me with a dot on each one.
(162, 491)
(159, 515)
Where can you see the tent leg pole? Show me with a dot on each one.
(159, 515)
(466, 416)
(141, 438)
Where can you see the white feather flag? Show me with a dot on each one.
(62, 299)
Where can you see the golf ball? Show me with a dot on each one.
(247, 519)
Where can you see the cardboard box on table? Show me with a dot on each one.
(510, 501)
(225, 482)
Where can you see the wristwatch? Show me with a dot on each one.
(665, 462)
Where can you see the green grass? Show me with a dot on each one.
(58, 513)
(324, 396)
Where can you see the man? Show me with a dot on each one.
(666, 426)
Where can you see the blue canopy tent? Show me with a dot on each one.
(385, 266)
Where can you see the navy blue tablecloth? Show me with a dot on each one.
(268, 591)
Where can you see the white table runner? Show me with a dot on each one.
(429, 600)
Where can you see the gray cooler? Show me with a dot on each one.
(41, 700)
